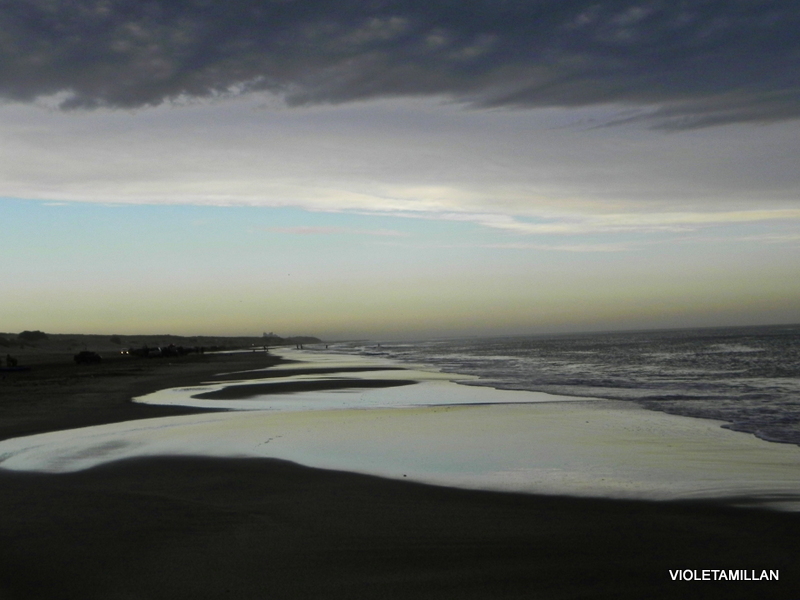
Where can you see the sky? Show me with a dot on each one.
(398, 169)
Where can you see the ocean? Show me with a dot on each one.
(747, 376)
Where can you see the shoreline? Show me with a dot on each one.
(610, 452)
(742, 422)
(197, 527)
(368, 416)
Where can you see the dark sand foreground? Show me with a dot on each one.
(255, 528)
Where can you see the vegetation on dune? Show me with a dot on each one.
(33, 336)
(34, 347)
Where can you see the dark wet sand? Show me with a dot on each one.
(256, 528)
(251, 390)
(283, 372)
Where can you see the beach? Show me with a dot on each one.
(253, 527)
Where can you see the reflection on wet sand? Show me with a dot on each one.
(420, 425)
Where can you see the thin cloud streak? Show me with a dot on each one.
(564, 247)
(577, 248)
(335, 231)
(615, 223)
(788, 239)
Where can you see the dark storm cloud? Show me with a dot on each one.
(686, 63)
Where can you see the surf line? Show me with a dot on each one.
(723, 575)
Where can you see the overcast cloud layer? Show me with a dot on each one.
(682, 64)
